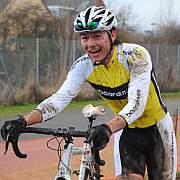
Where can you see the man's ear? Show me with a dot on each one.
(113, 35)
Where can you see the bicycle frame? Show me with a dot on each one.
(85, 161)
(65, 167)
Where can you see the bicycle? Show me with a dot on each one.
(90, 158)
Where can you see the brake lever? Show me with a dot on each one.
(6, 144)
(15, 147)
(6, 147)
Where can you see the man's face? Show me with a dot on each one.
(96, 44)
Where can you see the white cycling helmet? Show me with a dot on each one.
(95, 19)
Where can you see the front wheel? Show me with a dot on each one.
(93, 173)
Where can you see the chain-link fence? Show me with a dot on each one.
(35, 68)
(166, 61)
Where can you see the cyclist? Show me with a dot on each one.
(124, 77)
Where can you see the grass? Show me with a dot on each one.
(8, 111)
(178, 174)
(171, 95)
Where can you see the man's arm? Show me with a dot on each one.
(138, 89)
(58, 101)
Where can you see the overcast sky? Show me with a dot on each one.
(150, 11)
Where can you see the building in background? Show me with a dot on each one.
(61, 8)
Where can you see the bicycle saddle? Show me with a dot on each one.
(91, 111)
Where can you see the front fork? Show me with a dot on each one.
(64, 169)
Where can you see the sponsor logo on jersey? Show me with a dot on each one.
(125, 53)
(77, 61)
(135, 107)
(117, 93)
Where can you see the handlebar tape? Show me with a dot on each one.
(17, 151)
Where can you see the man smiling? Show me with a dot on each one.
(123, 75)
(97, 45)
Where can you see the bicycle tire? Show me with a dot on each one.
(93, 173)
(87, 175)
(96, 171)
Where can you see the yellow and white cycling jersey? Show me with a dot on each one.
(127, 84)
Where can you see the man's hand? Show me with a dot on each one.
(117, 123)
(100, 136)
(11, 127)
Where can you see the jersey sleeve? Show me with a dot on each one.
(140, 77)
(69, 89)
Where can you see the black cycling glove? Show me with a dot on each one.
(10, 128)
(100, 136)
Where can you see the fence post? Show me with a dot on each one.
(177, 117)
(74, 49)
(37, 86)
(157, 56)
(178, 62)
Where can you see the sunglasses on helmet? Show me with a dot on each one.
(90, 26)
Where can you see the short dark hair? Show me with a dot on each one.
(117, 41)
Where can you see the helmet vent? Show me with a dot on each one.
(97, 19)
(110, 21)
(109, 13)
(79, 22)
(102, 12)
(87, 15)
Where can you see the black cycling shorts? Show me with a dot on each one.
(141, 148)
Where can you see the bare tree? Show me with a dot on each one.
(23, 21)
(3, 4)
(166, 11)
